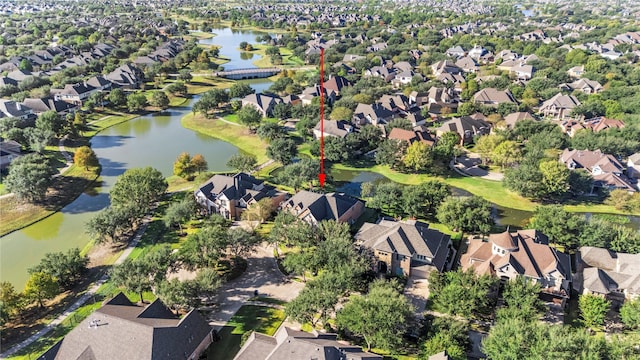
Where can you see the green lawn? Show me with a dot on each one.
(249, 318)
(236, 135)
(265, 61)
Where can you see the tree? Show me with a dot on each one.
(270, 131)
(243, 162)
(159, 99)
(139, 187)
(555, 177)
(136, 102)
(85, 157)
(249, 116)
(380, 317)
(562, 227)
(133, 275)
(282, 111)
(522, 296)
(185, 75)
(50, 122)
(177, 88)
(400, 123)
(447, 334)
(29, 177)
(178, 294)
(471, 214)
(67, 268)
(391, 152)
(630, 314)
(38, 138)
(282, 150)
(182, 166)
(240, 90)
(117, 97)
(341, 113)
(486, 144)
(9, 301)
(41, 286)
(206, 247)
(593, 310)
(260, 211)
(299, 174)
(179, 212)
(417, 156)
(241, 241)
(461, 293)
(506, 153)
(446, 144)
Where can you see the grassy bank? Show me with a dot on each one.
(233, 134)
(265, 61)
(492, 191)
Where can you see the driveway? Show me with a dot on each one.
(262, 274)
(417, 291)
(469, 164)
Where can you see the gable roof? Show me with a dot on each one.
(236, 187)
(331, 206)
(560, 101)
(493, 96)
(590, 159)
(606, 270)
(411, 136)
(465, 126)
(122, 330)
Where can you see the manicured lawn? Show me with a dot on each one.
(249, 318)
(265, 61)
(232, 118)
(200, 84)
(236, 135)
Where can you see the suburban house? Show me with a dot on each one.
(613, 275)
(314, 207)
(375, 114)
(311, 92)
(229, 196)
(440, 356)
(576, 71)
(633, 166)
(455, 51)
(418, 133)
(467, 65)
(513, 118)
(122, 330)
(127, 76)
(287, 343)
(74, 93)
(407, 248)
(466, 127)
(445, 67)
(584, 85)
(38, 106)
(559, 106)
(522, 253)
(493, 97)
(10, 108)
(336, 83)
(606, 170)
(381, 72)
(9, 151)
(264, 103)
(340, 128)
(601, 123)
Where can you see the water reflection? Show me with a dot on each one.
(52, 224)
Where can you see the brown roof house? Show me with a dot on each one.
(511, 119)
(493, 97)
(289, 344)
(418, 133)
(262, 102)
(606, 170)
(122, 330)
(407, 248)
(229, 196)
(559, 106)
(585, 85)
(466, 126)
(522, 253)
(608, 273)
(601, 123)
(314, 207)
(340, 128)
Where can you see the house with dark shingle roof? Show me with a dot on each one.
(375, 114)
(340, 128)
(522, 253)
(288, 344)
(122, 330)
(10, 108)
(229, 196)
(493, 97)
(75, 93)
(262, 102)
(38, 106)
(559, 106)
(314, 207)
(466, 127)
(407, 248)
(611, 274)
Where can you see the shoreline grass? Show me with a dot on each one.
(238, 136)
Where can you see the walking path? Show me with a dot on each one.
(83, 299)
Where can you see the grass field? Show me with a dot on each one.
(249, 318)
(236, 135)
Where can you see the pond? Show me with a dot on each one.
(153, 140)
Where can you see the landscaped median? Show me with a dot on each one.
(233, 134)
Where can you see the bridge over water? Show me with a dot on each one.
(254, 73)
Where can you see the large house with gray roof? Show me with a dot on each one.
(288, 344)
(407, 248)
(122, 330)
(606, 170)
(229, 196)
(315, 207)
(613, 275)
(523, 253)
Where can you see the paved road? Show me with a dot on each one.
(83, 299)
(263, 275)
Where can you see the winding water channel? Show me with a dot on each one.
(154, 140)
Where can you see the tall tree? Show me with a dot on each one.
(560, 226)
(206, 247)
(67, 268)
(471, 214)
(182, 166)
(243, 162)
(140, 187)
(179, 212)
(630, 313)
(240, 90)
(380, 317)
(136, 102)
(133, 275)
(249, 116)
(199, 164)
(417, 156)
(85, 157)
(159, 99)
(41, 286)
(282, 150)
(29, 177)
(593, 310)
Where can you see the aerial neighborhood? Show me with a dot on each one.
(320, 180)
